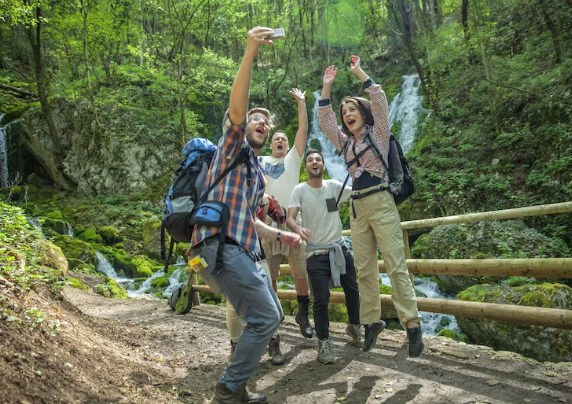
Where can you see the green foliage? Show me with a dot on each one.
(453, 335)
(21, 246)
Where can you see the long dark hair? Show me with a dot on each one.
(363, 105)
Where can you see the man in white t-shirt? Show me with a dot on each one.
(330, 263)
(282, 172)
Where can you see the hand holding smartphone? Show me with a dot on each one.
(278, 33)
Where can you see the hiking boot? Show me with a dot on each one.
(415, 337)
(232, 349)
(302, 317)
(355, 331)
(223, 395)
(276, 356)
(325, 354)
(305, 328)
(371, 332)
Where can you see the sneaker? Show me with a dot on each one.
(325, 354)
(371, 332)
(305, 328)
(223, 395)
(415, 337)
(276, 356)
(355, 331)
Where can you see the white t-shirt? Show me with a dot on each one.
(325, 227)
(282, 175)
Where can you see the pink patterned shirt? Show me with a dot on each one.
(369, 162)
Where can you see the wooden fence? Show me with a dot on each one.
(538, 267)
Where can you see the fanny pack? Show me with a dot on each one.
(217, 214)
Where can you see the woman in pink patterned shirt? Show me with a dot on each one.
(374, 218)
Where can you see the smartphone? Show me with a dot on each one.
(278, 33)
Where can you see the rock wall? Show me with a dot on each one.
(123, 156)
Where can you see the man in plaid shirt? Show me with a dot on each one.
(241, 279)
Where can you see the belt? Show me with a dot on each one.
(368, 193)
(214, 237)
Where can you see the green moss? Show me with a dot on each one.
(90, 235)
(76, 250)
(56, 225)
(453, 335)
(160, 282)
(110, 235)
(145, 266)
(112, 289)
(76, 283)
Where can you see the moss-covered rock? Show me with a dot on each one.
(56, 226)
(507, 239)
(152, 238)
(112, 289)
(90, 235)
(75, 250)
(50, 255)
(110, 235)
(541, 343)
(76, 283)
(144, 266)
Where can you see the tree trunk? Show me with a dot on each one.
(34, 36)
(405, 13)
(554, 32)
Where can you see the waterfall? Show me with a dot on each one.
(333, 163)
(405, 110)
(4, 178)
(106, 268)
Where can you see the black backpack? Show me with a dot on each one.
(401, 183)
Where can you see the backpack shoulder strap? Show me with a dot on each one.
(371, 144)
(241, 158)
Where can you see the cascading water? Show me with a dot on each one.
(106, 268)
(404, 111)
(4, 177)
(332, 161)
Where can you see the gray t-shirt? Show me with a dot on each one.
(325, 227)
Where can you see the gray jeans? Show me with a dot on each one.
(245, 284)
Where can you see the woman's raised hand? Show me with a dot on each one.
(330, 75)
(356, 63)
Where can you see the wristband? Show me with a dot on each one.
(278, 235)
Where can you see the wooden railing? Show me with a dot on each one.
(538, 267)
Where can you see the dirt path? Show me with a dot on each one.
(191, 351)
(138, 351)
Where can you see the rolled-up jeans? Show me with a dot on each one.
(244, 283)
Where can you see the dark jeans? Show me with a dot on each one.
(319, 273)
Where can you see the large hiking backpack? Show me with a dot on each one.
(188, 191)
(184, 193)
(401, 183)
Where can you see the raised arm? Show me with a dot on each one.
(379, 106)
(238, 104)
(302, 133)
(326, 115)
